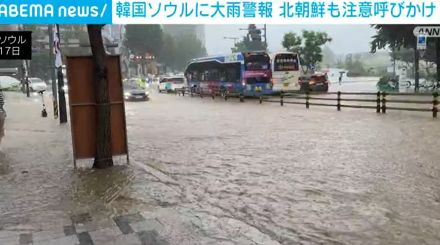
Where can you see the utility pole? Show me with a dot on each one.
(52, 73)
(59, 66)
(26, 71)
(265, 36)
(258, 29)
(394, 61)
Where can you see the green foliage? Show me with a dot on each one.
(142, 39)
(400, 36)
(168, 52)
(188, 47)
(309, 46)
(173, 52)
(292, 42)
(251, 42)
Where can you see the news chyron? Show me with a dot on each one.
(15, 45)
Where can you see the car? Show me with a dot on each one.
(315, 82)
(9, 83)
(37, 85)
(132, 91)
(172, 84)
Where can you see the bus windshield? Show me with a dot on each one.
(286, 62)
(257, 62)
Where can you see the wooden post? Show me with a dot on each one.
(384, 102)
(434, 104)
(282, 99)
(339, 101)
(307, 99)
(378, 102)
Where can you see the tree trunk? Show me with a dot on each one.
(103, 156)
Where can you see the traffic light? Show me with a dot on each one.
(254, 33)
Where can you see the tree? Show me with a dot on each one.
(167, 55)
(251, 42)
(312, 51)
(142, 39)
(309, 46)
(401, 36)
(103, 156)
(188, 47)
(292, 42)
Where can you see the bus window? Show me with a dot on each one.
(257, 62)
(286, 62)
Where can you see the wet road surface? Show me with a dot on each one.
(237, 173)
(297, 176)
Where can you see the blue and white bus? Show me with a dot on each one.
(245, 74)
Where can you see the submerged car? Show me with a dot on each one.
(315, 82)
(172, 84)
(133, 91)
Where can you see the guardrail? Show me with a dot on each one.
(381, 102)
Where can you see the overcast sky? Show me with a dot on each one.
(346, 38)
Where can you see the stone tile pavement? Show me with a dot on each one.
(130, 229)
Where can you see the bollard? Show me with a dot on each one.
(226, 97)
(378, 102)
(384, 102)
(434, 104)
(261, 100)
(307, 99)
(241, 98)
(212, 95)
(282, 99)
(339, 101)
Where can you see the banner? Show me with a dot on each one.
(219, 12)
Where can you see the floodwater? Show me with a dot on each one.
(241, 173)
(296, 175)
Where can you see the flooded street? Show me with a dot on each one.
(216, 172)
(297, 176)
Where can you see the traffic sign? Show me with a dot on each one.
(421, 44)
(429, 31)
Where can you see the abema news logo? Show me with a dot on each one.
(55, 11)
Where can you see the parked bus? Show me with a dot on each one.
(245, 74)
(286, 72)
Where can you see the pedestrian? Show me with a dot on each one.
(2, 115)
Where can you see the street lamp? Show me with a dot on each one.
(232, 38)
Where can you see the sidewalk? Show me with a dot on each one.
(44, 200)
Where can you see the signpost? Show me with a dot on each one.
(421, 44)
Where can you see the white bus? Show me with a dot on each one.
(285, 71)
